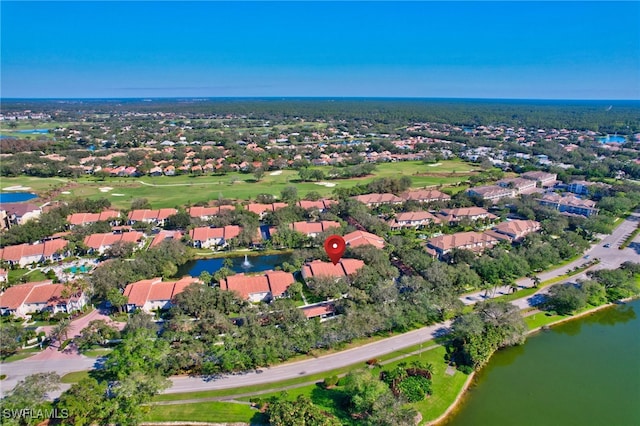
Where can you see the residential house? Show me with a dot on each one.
(491, 192)
(342, 269)
(320, 205)
(163, 236)
(25, 254)
(361, 238)
(425, 195)
(152, 294)
(206, 213)
(261, 209)
(102, 242)
(323, 310)
(154, 217)
(514, 230)
(582, 187)
(257, 288)
(520, 185)
(569, 204)
(375, 200)
(313, 229)
(542, 178)
(207, 237)
(474, 241)
(416, 219)
(453, 216)
(23, 299)
(111, 216)
(20, 213)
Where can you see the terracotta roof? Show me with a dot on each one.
(313, 227)
(318, 268)
(360, 238)
(154, 289)
(416, 216)
(455, 214)
(425, 195)
(569, 200)
(95, 241)
(468, 240)
(490, 191)
(165, 235)
(517, 227)
(320, 204)
(197, 211)
(318, 310)
(46, 249)
(147, 214)
(205, 233)
(386, 198)
(16, 295)
(275, 282)
(259, 209)
(82, 218)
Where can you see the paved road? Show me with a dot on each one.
(610, 258)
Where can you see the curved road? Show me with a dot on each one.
(610, 258)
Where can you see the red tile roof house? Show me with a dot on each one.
(361, 238)
(374, 200)
(320, 205)
(25, 254)
(543, 178)
(342, 269)
(261, 209)
(413, 220)
(102, 242)
(522, 186)
(472, 213)
(514, 230)
(206, 237)
(206, 213)
(39, 296)
(312, 229)
(425, 195)
(152, 294)
(155, 217)
(474, 241)
(323, 311)
(111, 216)
(258, 288)
(163, 236)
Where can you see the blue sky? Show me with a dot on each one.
(529, 50)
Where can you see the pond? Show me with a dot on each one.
(584, 372)
(16, 197)
(252, 264)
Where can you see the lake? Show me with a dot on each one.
(256, 264)
(584, 372)
(16, 197)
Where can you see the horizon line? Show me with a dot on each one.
(3, 99)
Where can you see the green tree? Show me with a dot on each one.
(363, 391)
(85, 403)
(11, 338)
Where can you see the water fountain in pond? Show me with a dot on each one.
(246, 264)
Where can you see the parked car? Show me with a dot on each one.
(607, 245)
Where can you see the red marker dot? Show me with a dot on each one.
(335, 247)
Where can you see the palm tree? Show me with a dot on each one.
(61, 331)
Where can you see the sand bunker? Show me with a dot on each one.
(276, 173)
(66, 192)
(16, 188)
(327, 184)
(118, 195)
(105, 189)
(435, 165)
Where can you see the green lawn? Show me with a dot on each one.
(201, 412)
(74, 377)
(172, 191)
(541, 319)
(28, 274)
(98, 352)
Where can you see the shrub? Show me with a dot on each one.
(3, 376)
(330, 381)
(414, 388)
(372, 361)
(64, 345)
(466, 369)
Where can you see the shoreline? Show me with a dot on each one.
(463, 391)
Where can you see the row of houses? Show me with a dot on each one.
(511, 231)
(420, 195)
(23, 299)
(420, 219)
